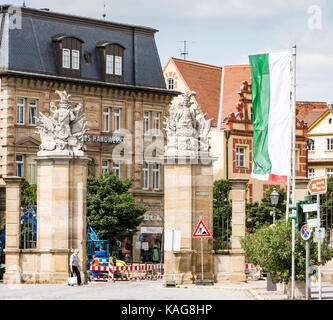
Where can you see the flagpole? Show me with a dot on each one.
(293, 168)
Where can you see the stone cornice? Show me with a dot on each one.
(86, 86)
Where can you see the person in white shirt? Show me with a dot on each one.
(74, 265)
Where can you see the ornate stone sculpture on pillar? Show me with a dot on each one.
(188, 192)
(63, 132)
(187, 131)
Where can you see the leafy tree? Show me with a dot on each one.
(221, 214)
(270, 247)
(111, 209)
(258, 215)
(28, 194)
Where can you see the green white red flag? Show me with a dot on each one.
(271, 108)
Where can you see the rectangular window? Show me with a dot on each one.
(329, 172)
(311, 173)
(109, 64)
(157, 123)
(66, 58)
(156, 176)
(32, 112)
(146, 123)
(105, 166)
(20, 111)
(106, 119)
(116, 119)
(171, 84)
(32, 171)
(329, 144)
(240, 157)
(116, 168)
(118, 65)
(19, 165)
(75, 59)
(145, 176)
(312, 145)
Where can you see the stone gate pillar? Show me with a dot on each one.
(13, 223)
(61, 215)
(188, 195)
(238, 198)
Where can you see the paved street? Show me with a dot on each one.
(152, 290)
(144, 290)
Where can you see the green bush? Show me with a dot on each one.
(270, 247)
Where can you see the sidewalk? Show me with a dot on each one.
(258, 288)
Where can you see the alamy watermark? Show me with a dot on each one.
(315, 19)
(12, 16)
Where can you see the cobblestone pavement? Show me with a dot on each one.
(153, 290)
(144, 290)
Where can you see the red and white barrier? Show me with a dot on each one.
(254, 272)
(139, 268)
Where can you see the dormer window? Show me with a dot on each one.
(66, 58)
(112, 61)
(118, 65)
(68, 51)
(76, 59)
(109, 64)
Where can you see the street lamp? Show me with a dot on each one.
(274, 201)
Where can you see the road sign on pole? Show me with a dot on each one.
(310, 207)
(305, 232)
(201, 230)
(318, 185)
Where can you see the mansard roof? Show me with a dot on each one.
(31, 49)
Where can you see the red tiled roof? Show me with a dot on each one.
(232, 81)
(310, 111)
(205, 80)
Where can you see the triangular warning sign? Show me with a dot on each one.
(201, 230)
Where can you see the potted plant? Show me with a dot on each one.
(270, 247)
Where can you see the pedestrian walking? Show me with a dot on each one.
(74, 265)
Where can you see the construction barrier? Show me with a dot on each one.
(252, 272)
(141, 272)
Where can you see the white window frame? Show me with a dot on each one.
(145, 176)
(106, 119)
(76, 59)
(66, 58)
(329, 172)
(116, 119)
(21, 164)
(109, 64)
(146, 123)
(312, 146)
(156, 176)
(118, 64)
(32, 170)
(329, 144)
(105, 166)
(171, 84)
(157, 123)
(33, 104)
(116, 168)
(20, 111)
(240, 156)
(311, 173)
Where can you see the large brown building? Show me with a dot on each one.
(113, 70)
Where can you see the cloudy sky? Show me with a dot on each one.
(224, 32)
